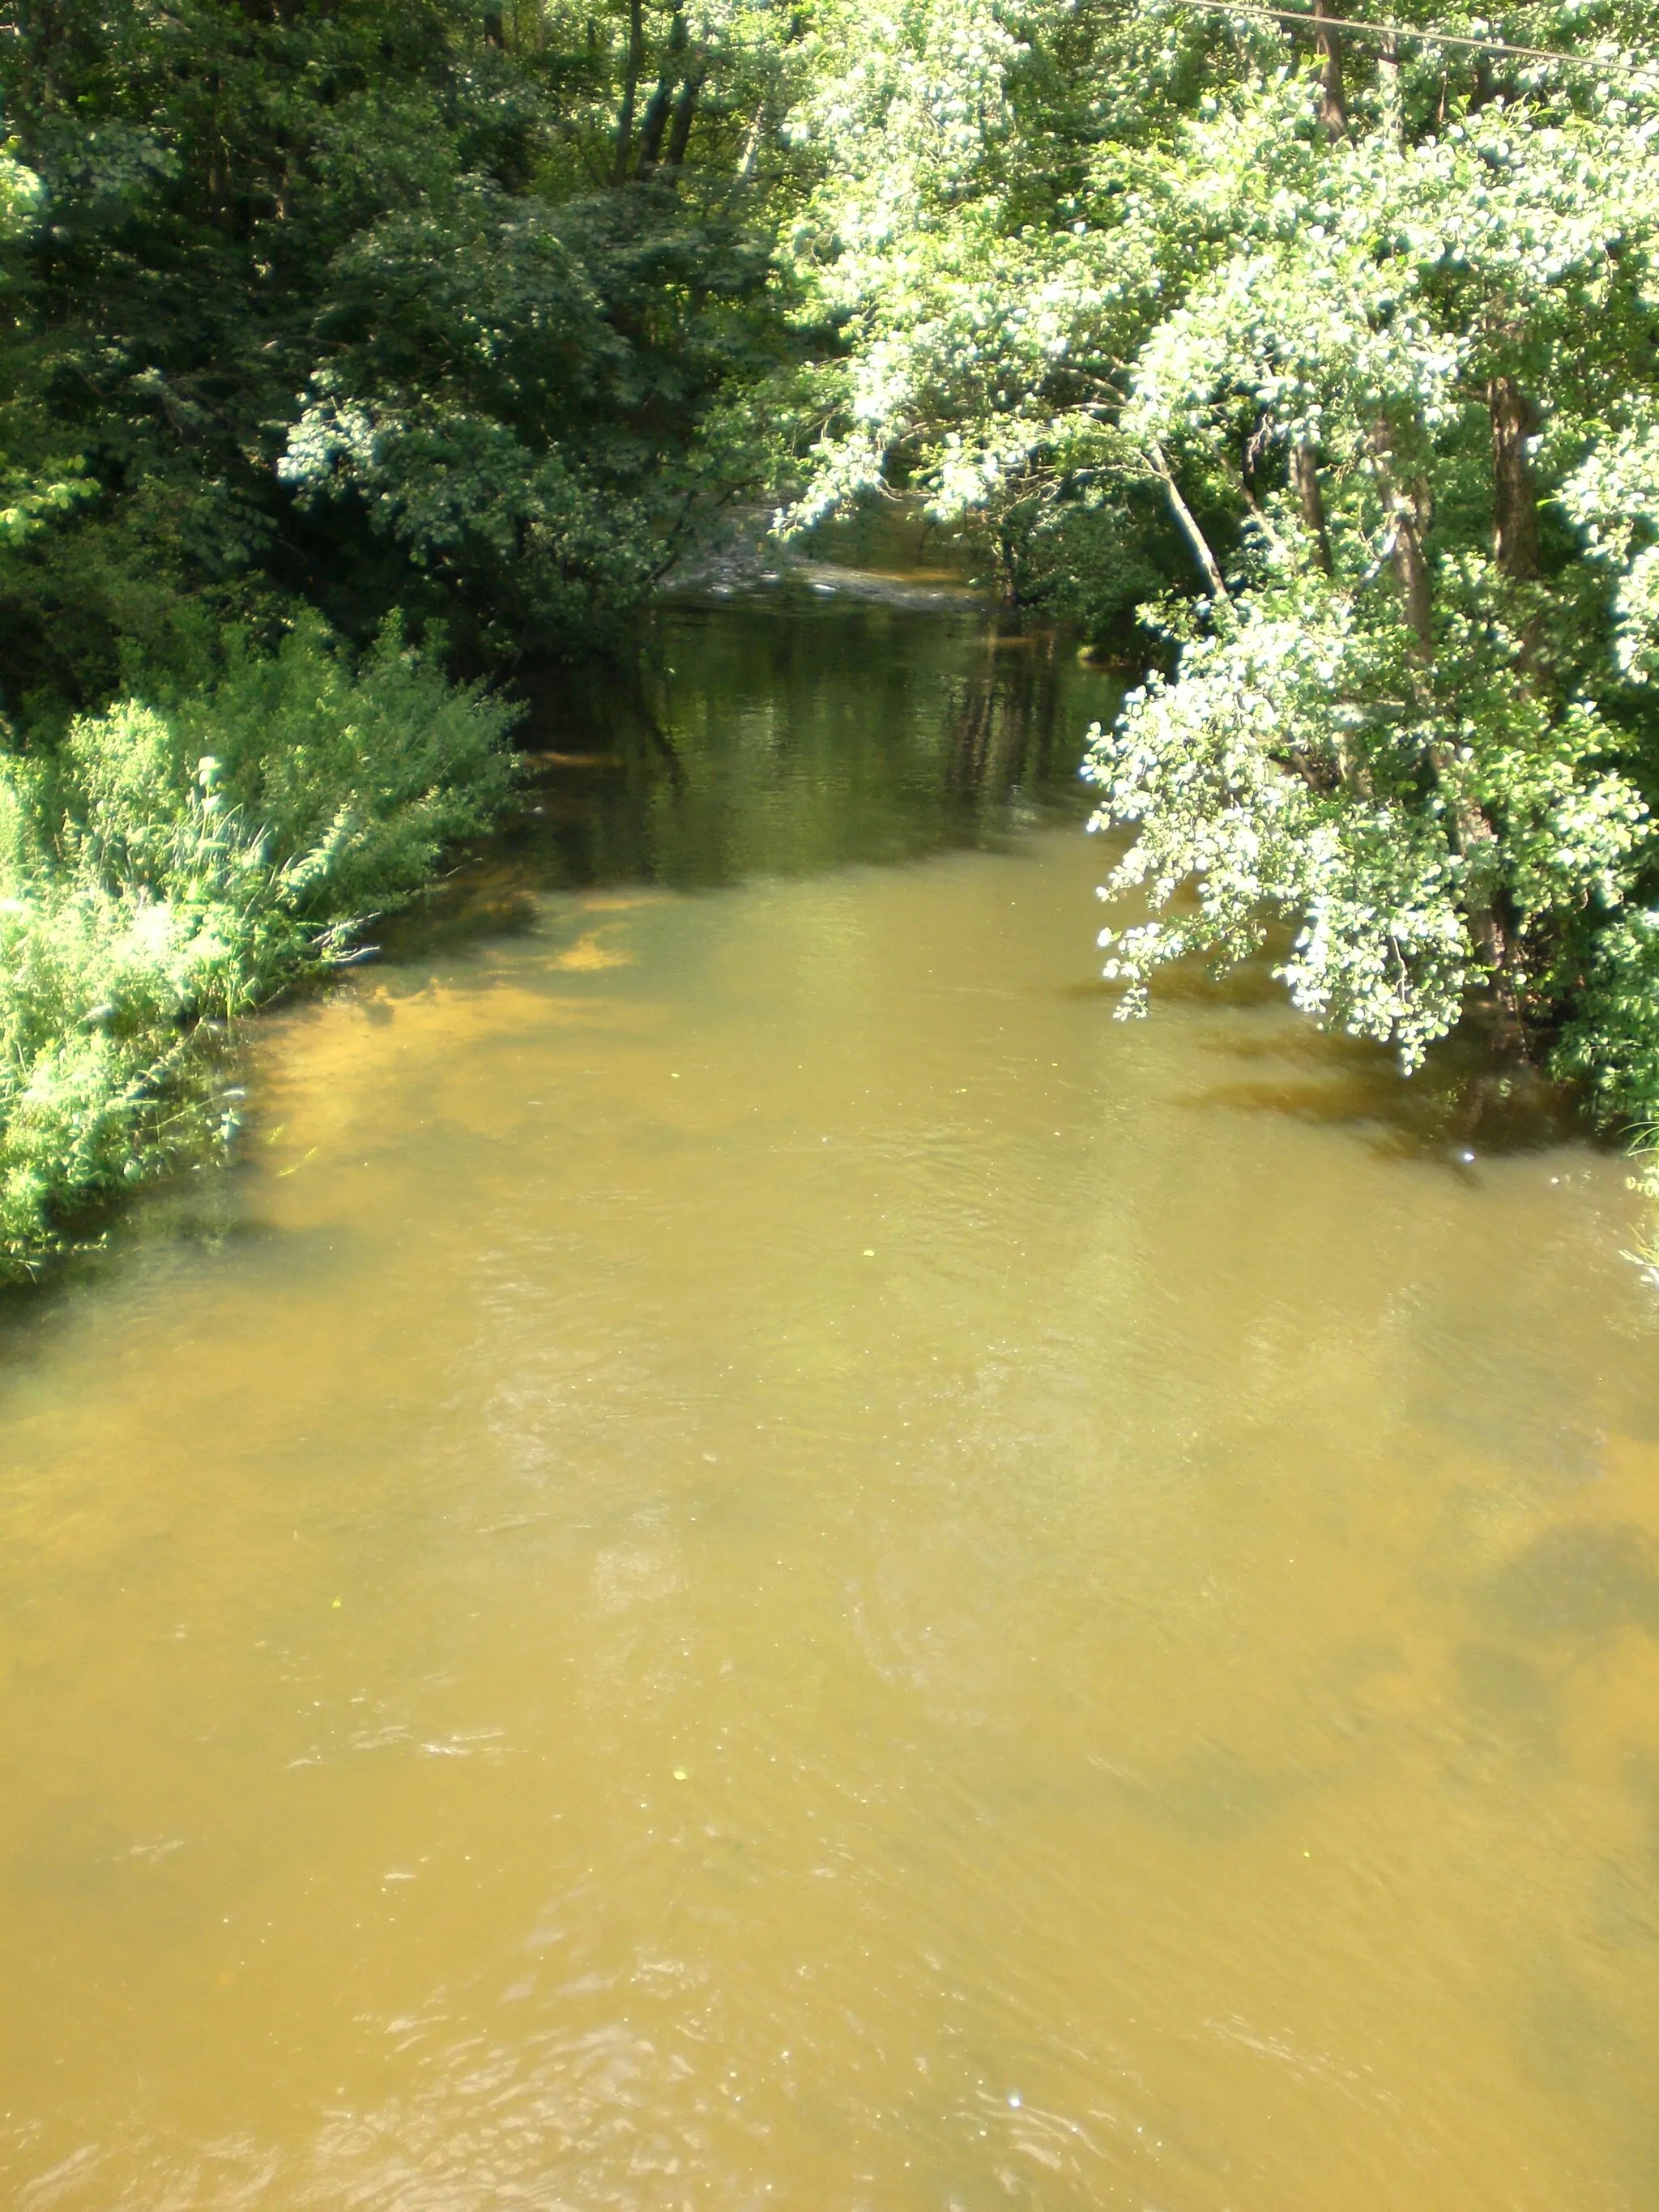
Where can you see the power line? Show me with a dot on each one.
(1406, 31)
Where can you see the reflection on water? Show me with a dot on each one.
(802, 730)
(775, 1565)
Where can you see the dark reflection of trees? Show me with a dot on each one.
(787, 735)
(610, 707)
(1004, 725)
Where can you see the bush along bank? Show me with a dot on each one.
(168, 867)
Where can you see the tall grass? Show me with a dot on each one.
(166, 868)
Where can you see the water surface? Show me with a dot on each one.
(764, 1563)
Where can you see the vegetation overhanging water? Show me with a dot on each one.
(1309, 368)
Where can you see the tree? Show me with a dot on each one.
(364, 307)
(1374, 330)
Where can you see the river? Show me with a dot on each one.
(753, 1559)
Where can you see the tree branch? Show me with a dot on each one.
(1186, 523)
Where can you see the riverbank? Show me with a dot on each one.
(168, 869)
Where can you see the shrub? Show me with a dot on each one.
(172, 867)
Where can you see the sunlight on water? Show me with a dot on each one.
(768, 1563)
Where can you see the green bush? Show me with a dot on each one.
(171, 867)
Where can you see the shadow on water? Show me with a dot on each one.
(1469, 1100)
(1473, 1096)
(1582, 1581)
(1464, 1104)
(197, 1214)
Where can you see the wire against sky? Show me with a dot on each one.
(1409, 31)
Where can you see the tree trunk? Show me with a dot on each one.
(752, 143)
(1309, 497)
(630, 90)
(657, 111)
(1515, 542)
(1472, 835)
(1406, 516)
(655, 122)
(1328, 45)
(1515, 538)
(685, 108)
(1388, 84)
(1186, 523)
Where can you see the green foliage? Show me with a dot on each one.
(1290, 771)
(35, 484)
(170, 869)
(1374, 330)
(1329, 372)
(1613, 494)
(372, 306)
(1459, 795)
(318, 320)
(482, 407)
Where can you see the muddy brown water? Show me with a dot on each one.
(756, 1560)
